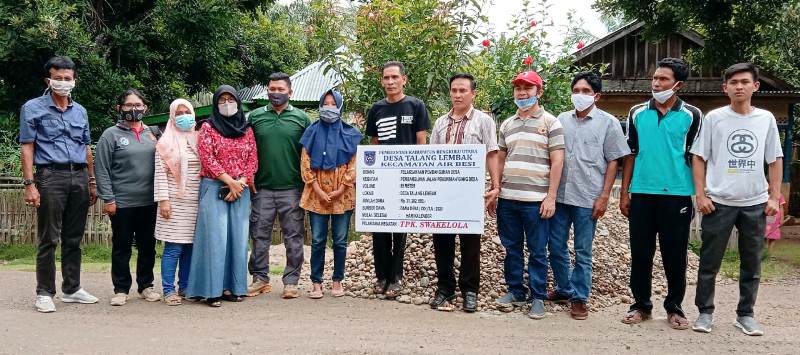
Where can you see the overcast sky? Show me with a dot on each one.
(502, 11)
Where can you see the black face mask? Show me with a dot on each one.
(278, 99)
(132, 115)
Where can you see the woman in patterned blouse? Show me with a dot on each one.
(327, 165)
(227, 150)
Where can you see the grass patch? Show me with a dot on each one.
(94, 258)
(784, 262)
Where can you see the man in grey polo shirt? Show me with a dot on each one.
(54, 134)
(594, 141)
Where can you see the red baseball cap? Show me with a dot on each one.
(529, 77)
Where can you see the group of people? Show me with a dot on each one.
(203, 187)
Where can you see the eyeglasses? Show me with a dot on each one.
(134, 106)
(227, 101)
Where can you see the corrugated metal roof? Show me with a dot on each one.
(247, 94)
(310, 83)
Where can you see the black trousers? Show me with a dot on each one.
(388, 250)
(469, 273)
(751, 222)
(61, 216)
(667, 218)
(129, 225)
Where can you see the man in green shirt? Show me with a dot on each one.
(277, 187)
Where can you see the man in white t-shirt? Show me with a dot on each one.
(730, 151)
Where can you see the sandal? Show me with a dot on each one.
(393, 290)
(173, 299)
(229, 297)
(214, 302)
(379, 287)
(677, 321)
(446, 306)
(315, 292)
(635, 316)
(337, 291)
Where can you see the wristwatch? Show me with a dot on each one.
(27, 182)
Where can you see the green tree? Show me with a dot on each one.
(734, 30)
(431, 37)
(526, 45)
(166, 48)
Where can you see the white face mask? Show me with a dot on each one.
(228, 109)
(62, 87)
(663, 96)
(582, 102)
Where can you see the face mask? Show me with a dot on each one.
(582, 102)
(228, 109)
(62, 87)
(663, 96)
(526, 104)
(278, 99)
(329, 115)
(132, 115)
(185, 122)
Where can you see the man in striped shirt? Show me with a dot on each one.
(532, 155)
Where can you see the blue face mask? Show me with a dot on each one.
(329, 115)
(185, 122)
(525, 104)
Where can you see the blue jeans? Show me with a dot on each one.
(519, 222)
(175, 254)
(576, 283)
(340, 226)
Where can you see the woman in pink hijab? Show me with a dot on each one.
(177, 182)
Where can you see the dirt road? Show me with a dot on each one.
(268, 324)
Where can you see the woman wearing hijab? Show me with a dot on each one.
(327, 165)
(124, 168)
(177, 182)
(228, 162)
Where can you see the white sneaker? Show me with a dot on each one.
(119, 299)
(150, 295)
(45, 304)
(81, 296)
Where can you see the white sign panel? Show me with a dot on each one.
(420, 188)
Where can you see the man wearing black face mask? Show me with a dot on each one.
(278, 187)
(54, 134)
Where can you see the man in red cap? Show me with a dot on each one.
(532, 155)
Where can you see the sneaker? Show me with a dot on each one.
(45, 304)
(537, 309)
(258, 287)
(703, 323)
(119, 299)
(509, 301)
(290, 291)
(440, 299)
(81, 296)
(749, 326)
(150, 295)
(470, 302)
(578, 311)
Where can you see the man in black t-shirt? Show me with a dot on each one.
(397, 119)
